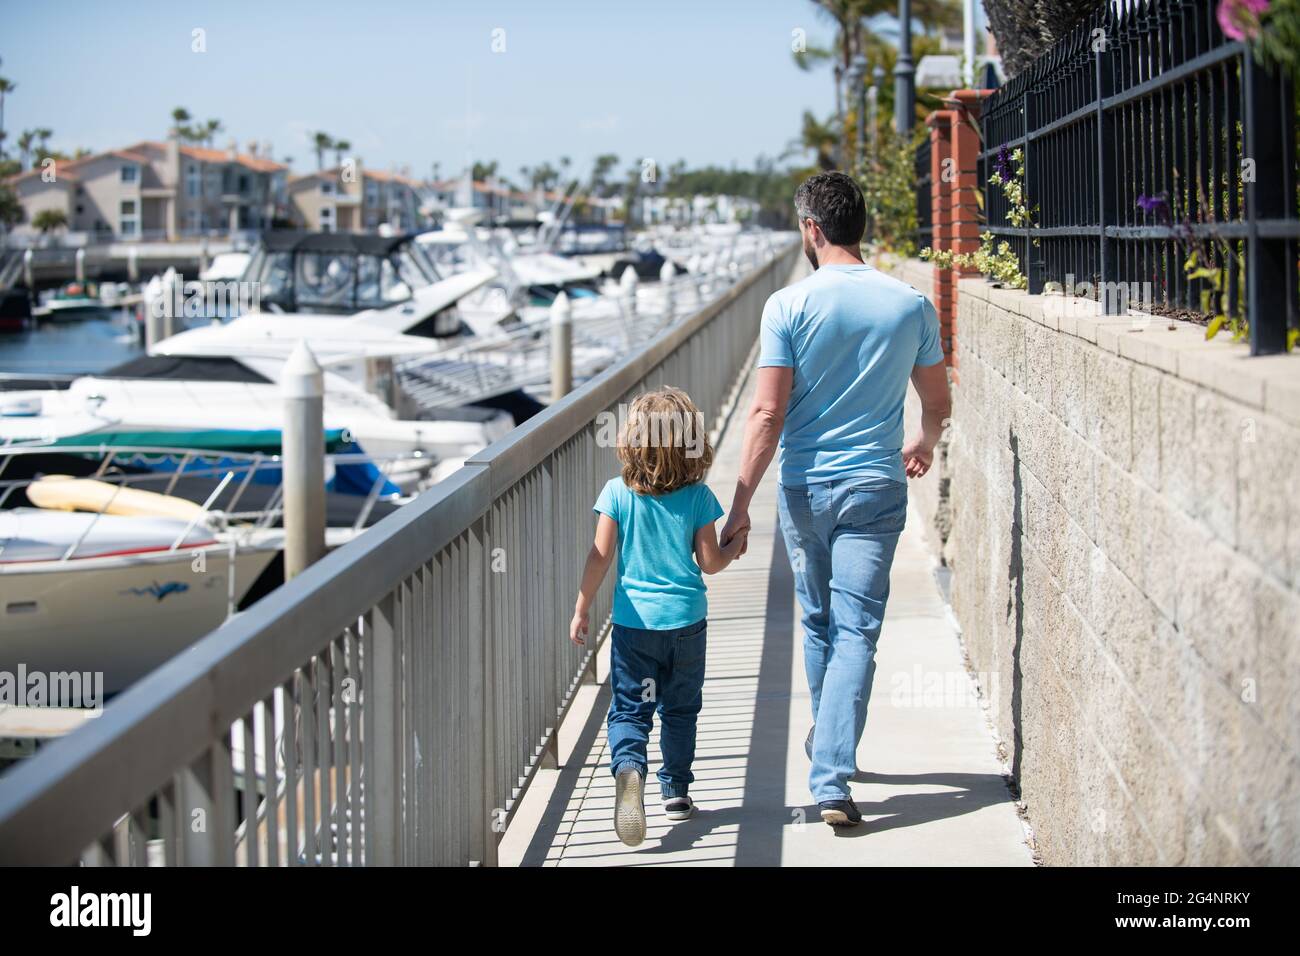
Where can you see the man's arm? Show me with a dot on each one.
(931, 382)
(762, 433)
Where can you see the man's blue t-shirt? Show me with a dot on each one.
(659, 586)
(852, 336)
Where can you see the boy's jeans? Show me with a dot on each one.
(649, 670)
(841, 537)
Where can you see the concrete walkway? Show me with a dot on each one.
(931, 789)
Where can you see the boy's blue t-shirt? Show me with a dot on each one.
(659, 585)
(852, 335)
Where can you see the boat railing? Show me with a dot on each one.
(224, 466)
(400, 694)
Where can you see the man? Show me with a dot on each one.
(837, 350)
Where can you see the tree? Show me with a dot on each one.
(6, 87)
(207, 133)
(11, 210)
(321, 142)
(600, 170)
(26, 143)
(180, 122)
(48, 220)
(1027, 28)
(341, 147)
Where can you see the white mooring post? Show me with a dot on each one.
(561, 347)
(80, 259)
(667, 275)
(303, 451)
(133, 264)
(627, 284)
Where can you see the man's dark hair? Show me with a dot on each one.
(834, 202)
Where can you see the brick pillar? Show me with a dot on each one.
(941, 165)
(963, 207)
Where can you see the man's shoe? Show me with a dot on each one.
(679, 808)
(629, 806)
(808, 741)
(840, 813)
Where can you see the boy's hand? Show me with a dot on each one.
(578, 627)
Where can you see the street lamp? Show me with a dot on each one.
(904, 73)
(873, 98)
(857, 80)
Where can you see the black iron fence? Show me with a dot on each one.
(924, 216)
(1159, 164)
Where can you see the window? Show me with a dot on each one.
(192, 181)
(327, 187)
(372, 193)
(191, 221)
(128, 218)
(130, 173)
(327, 218)
(214, 182)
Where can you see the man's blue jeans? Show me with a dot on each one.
(663, 670)
(841, 537)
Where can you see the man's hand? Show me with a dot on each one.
(737, 545)
(917, 457)
(579, 626)
(737, 521)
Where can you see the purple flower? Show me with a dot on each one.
(1002, 163)
(1157, 205)
(1239, 19)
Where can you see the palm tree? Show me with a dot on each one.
(321, 142)
(209, 130)
(25, 143)
(180, 117)
(6, 87)
(340, 147)
(48, 220)
(42, 135)
(1026, 28)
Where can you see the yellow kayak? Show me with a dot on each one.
(65, 493)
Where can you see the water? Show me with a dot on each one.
(92, 344)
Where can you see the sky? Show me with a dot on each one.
(708, 81)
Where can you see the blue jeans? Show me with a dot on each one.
(841, 537)
(652, 670)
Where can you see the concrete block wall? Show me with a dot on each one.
(1119, 503)
(1125, 545)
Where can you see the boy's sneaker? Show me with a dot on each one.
(840, 813)
(629, 806)
(679, 808)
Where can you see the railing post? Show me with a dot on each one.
(1033, 263)
(1107, 207)
(382, 702)
(1268, 142)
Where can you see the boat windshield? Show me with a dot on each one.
(340, 282)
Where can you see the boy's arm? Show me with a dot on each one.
(709, 555)
(599, 559)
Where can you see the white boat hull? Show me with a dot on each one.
(122, 615)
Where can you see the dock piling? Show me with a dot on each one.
(303, 450)
(561, 347)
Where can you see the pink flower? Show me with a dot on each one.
(1239, 19)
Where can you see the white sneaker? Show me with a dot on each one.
(629, 806)
(679, 808)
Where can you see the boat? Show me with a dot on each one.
(73, 301)
(114, 562)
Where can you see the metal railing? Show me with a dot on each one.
(924, 214)
(1148, 135)
(391, 704)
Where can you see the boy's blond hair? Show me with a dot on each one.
(664, 445)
